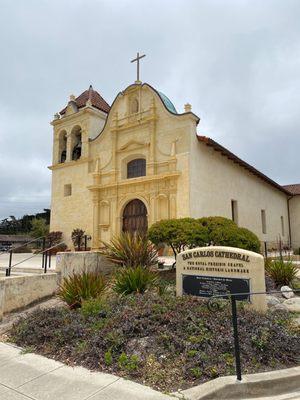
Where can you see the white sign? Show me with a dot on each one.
(214, 270)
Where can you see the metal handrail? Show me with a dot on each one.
(250, 293)
(24, 244)
(43, 252)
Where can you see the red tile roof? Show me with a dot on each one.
(96, 100)
(293, 189)
(217, 147)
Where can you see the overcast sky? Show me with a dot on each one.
(236, 61)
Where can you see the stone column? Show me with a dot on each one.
(85, 144)
(69, 146)
(152, 210)
(152, 131)
(55, 155)
(95, 237)
(115, 220)
(173, 208)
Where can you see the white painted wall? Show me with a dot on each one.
(295, 221)
(215, 181)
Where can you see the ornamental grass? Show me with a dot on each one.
(76, 288)
(130, 250)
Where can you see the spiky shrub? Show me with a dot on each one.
(282, 272)
(130, 250)
(79, 287)
(134, 280)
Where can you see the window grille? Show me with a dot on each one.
(136, 168)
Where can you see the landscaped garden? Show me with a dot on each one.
(133, 325)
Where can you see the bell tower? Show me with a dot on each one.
(82, 118)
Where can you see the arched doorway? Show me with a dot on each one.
(135, 217)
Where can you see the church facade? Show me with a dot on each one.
(128, 165)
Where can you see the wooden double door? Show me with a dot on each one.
(135, 217)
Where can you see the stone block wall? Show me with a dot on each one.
(17, 292)
(69, 263)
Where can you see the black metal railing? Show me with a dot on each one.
(277, 248)
(46, 247)
(85, 238)
(46, 258)
(214, 305)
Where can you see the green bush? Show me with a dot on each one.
(282, 272)
(79, 287)
(130, 250)
(184, 233)
(178, 233)
(94, 307)
(225, 232)
(128, 363)
(134, 280)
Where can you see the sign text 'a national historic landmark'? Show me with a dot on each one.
(219, 271)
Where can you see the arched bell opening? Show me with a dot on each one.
(62, 151)
(77, 143)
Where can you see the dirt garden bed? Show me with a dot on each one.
(165, 342)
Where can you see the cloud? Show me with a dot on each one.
(237, 63)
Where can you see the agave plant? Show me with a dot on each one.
(282, 272)
(76, 288)
(130, 250)
(134, 280)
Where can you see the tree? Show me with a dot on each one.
(184, 233)
(179, 234)
(39, 227)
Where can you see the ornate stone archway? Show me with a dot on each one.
(135, 217)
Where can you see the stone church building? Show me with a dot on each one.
(128, 165)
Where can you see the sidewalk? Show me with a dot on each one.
(29, 376)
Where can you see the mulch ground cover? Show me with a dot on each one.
(165, 342)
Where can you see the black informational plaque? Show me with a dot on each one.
(208, 286)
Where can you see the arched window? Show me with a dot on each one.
(62, 155)
(136, 168)
(77, 144)
(134, 106)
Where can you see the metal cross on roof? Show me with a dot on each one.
(137, 60)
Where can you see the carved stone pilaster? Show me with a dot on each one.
(95, 236)
(55, 155)
(152, 155)
(152, 211)
(173, 205)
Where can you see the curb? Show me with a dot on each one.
(254, 385)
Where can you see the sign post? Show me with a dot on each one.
(223, 272)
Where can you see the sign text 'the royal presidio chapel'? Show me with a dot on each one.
(217, 270)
